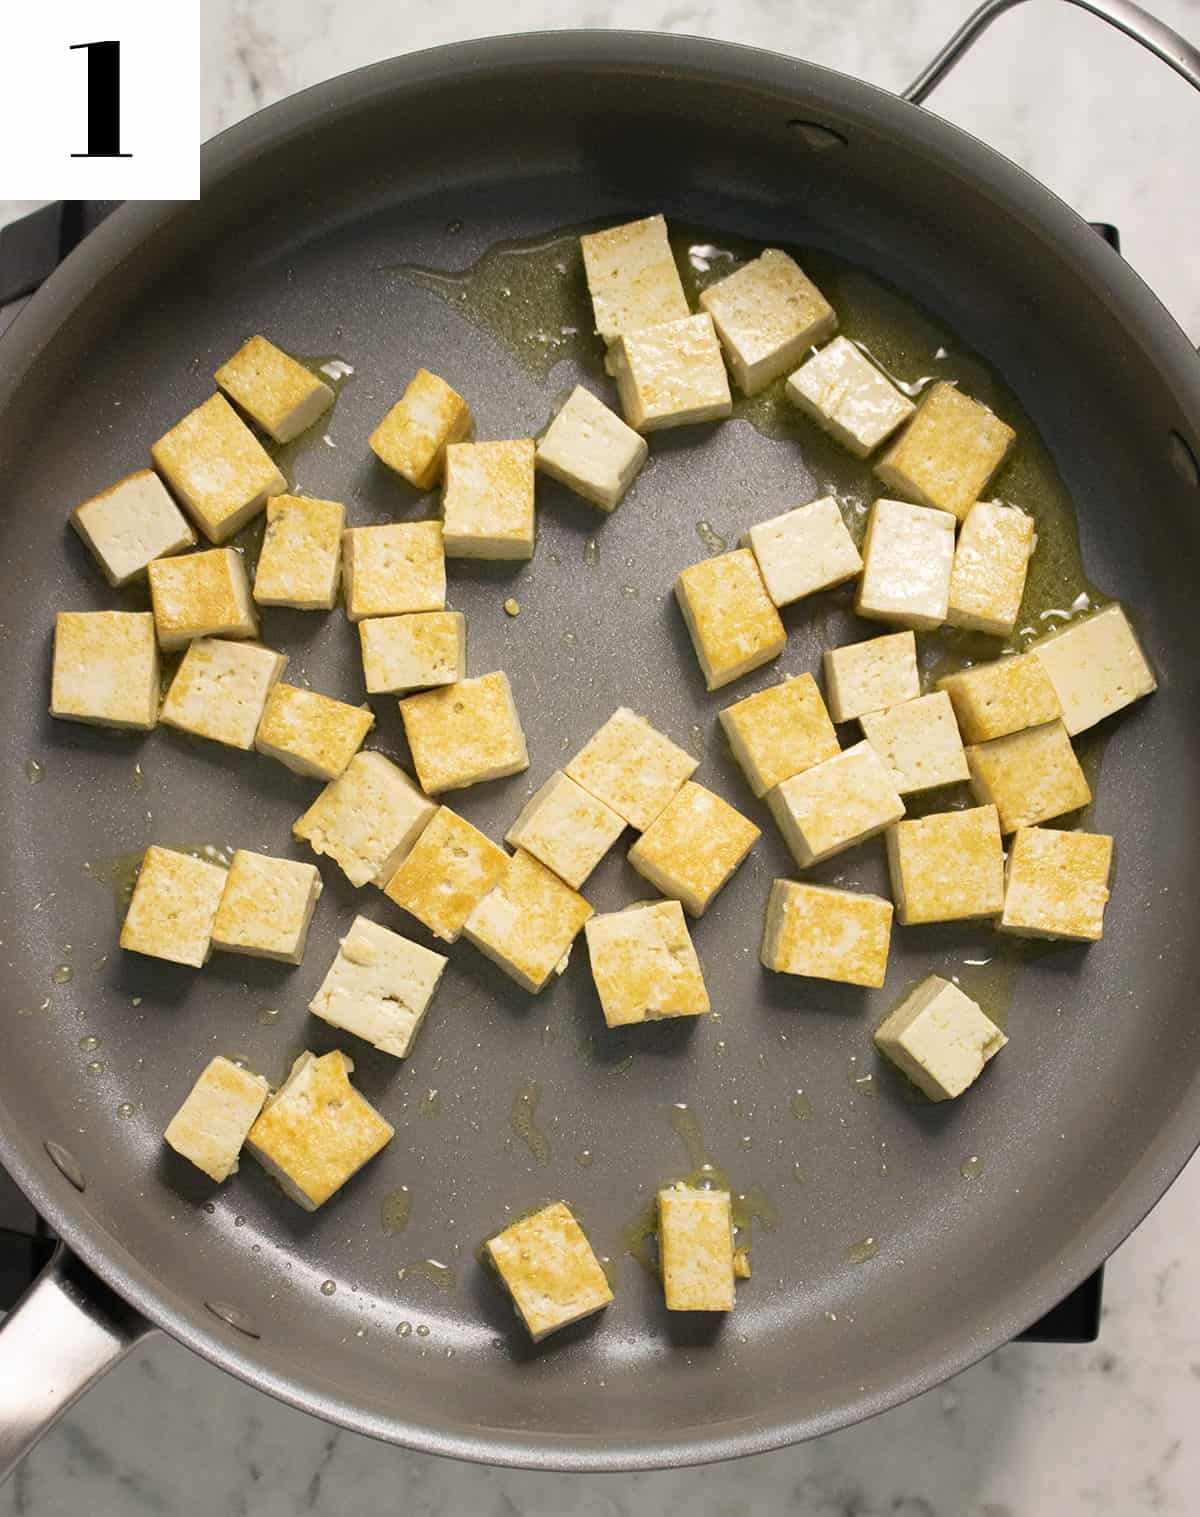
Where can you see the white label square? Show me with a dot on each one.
(82, 81)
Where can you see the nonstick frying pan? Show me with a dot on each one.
(1080, 1125)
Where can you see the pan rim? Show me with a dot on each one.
(728, 64)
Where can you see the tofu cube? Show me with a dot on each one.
(632, 277)
(948, 867)
(105, 669)
(733, 623)
(693, 846)
(644, 964)
(695, 1249)
(847, 396)
(948, 454)
(277, 393)
(671, 375)
(413, 652)
(803, 551)
(487, 499)
(300, 564)
(1056, 884)
(211, 1125)
(201, 595)
(220, 690)
(835, 804)
(631, 767)
(918, 743)
(548, 1267)
(990, 565)
(395, 569)
(413, 437)
(448, 871)
(1029, 776)
(266, 907)
(131, 523)
(312, 734)
(317, 1131)
(827, 934)
(367, 819)
(1096, 666)
(589, 449)
(992, 700)
(566, 829)
(779, 732)
(217, 468)
(465, 733)
(173, 907)
(379, 987)
(908, 558)
(768, 314)
(871, 676)
(939, 1038)
(528, 922)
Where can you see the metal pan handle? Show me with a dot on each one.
(64, 1333)
(1123, 14)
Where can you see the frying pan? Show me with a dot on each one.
(1080, 1125)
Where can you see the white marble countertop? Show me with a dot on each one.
(1106, 1429)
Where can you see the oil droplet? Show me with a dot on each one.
(267, 1016)
(433, 1270)
(403, 1329)
(137, 781)
(591, 552)
(585, 1158)
(35, 771)
(328, 1287)
(699, 741)
(720, 1046)
(861, 1080)
(799, 1175)
(95, 1067)
(209, 1208)
(44, 1004)
(639, 1238)
(90, 1043)
(710, 537)
(239, 1222)
(24, 1011)
(395, 1210)
(63, 973)
(422, 1330)
(629, 590)
(430, 1103)
(135, 1001)
(622, 1065)
(126, 1109)
(686, 1126)
(512, 606)
(801, 1106)
(523, 1121)
(864, 1249)
(569, 639)
(101, 961)
(970, 1168)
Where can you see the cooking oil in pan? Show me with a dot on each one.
(395, 1210)
(523, 1121)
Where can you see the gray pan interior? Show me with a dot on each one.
(1081, 1123)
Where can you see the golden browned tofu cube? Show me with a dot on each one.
(732, 620)
(565, 828)
(1056, 885)
(367, 819)
(631, 767)
(871, 676)
(217, 468)
(394, 569)
(779, 732)
(105, 668)
(449, 870)
(947, 455)
(465, 733)
(211, 1125)
(528, 922)
(220, 690)
(589, 449)
(693, 846)
(948, 867)
(835, 804)
(173, 907)
(918, 743)
(415, 652)
(644, 964)
(487, 499)
(549, 1269)
(300, 564)
(379, 987)
(632, 277)
(990, 565)
(1029, 776)
(767, 314)
(312, 734)
(695, 1247)
(412, 438)
(827, 934)
(201, 595)
(130, 524)
(939, 1038)
(671, 375)
(266, 907)
(992, 700)
(275, 391)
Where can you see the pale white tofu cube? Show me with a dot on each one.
(768, 314)
(416, 652)
(779, 732)
(548, 1268)
(131, 523)
(266, 907)
(732, 620)
(487, 499)
(317, 1131)
(990, 565)
(844, 393)
(394, 569)
(589, 449)
(803, 551)
(827, 934)
(1056, 884)
(1030, 777)
(939, 1038)
(220, 690)
(276, 392)
(949, 452)
(105, 669)
(644, 965)
(1097, 667)
(631, 767)
(835, 804)
(566, 829)
(300, 564)
(871, 676)
(465, 733)
(312, 734)
(528, 922)
(671, 375)
(448, 871)
(695, 1249)
(367, 819)
(379, 987)
(173, 907)
(948, 867)
(992, 700)
(217, 468)
(918, 743)
(413, 437)
(632, 277)
(693, 847)
(908, 558)
(211, 1125)
(201, 595)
